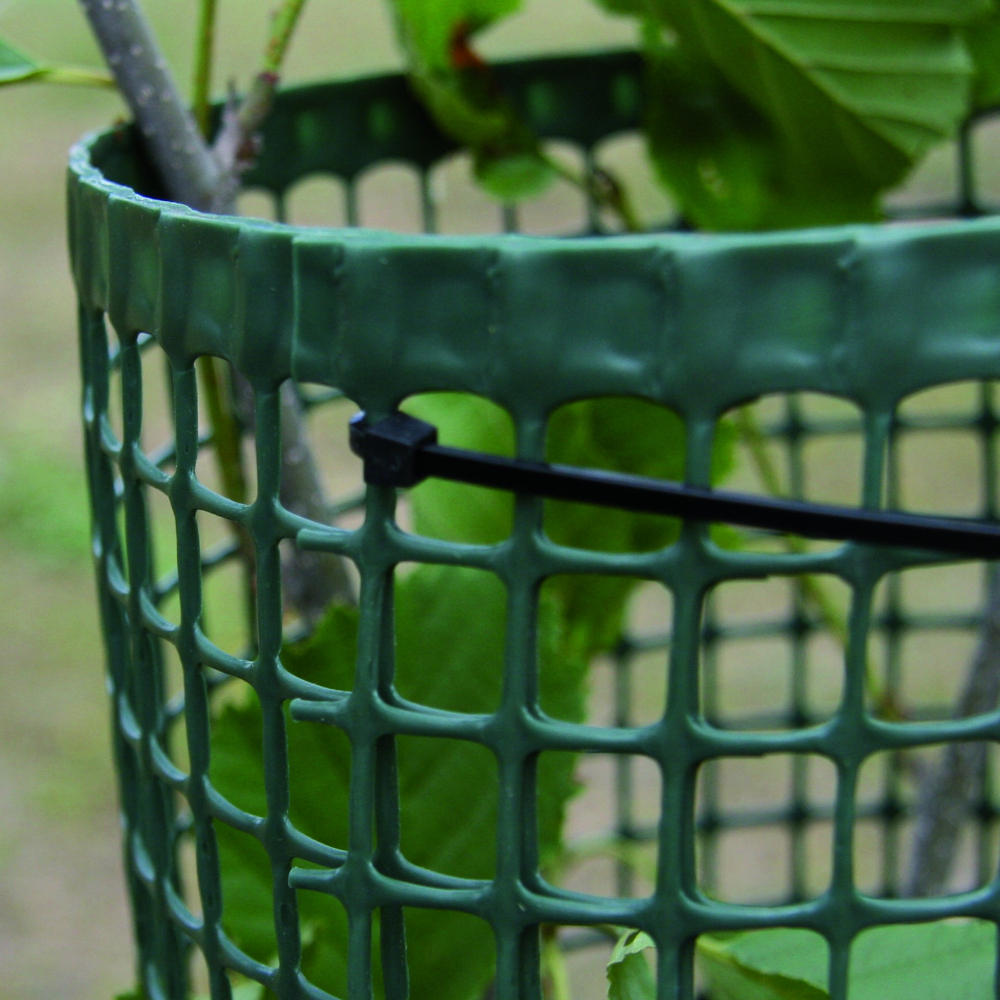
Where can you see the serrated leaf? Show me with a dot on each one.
(937, 961)
(853, 91)
(16, 66)
(983, 41)
(450, 640)
(722, 159)
(629, 974)
(765, 965)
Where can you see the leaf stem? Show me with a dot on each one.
(204, 53)
(282, 28)
(554, 965)
(77, 76)
(235, 145)
(601, 186)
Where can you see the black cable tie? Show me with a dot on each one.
(402, 451)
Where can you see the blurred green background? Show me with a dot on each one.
(63, 922)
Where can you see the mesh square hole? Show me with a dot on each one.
(603, 649)
(924, 642)
(247, 905)
(451, 955)
(762, 823)
(942, 960)
(941, 472)
(615, 434)
(456, 512)
(804, 445)
(327, 418)
(609, 821)
(448, 793)
(912, 799)
(772, 652)
(256, 203)
(389, 198)
(625, 156)
(233, 477)
(561, 207)
(460, 204)
(226, 589)
(157, 395)
(451, 634)
(937, 465)
(317, 200)
(583, 960)
(794, 953)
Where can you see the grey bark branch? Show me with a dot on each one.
(318, 577)
(947, 789)
(208, 180)
(189, 171)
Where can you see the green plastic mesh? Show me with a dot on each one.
(703, 325)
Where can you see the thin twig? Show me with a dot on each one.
(314, 579)
(947, 789)
(236, 146)
(602, 187)
(204, 55)
(226, 433)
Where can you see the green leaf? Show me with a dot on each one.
(629, 974)
(722, 159)
(765, 965)
(464, 97)
(16, 66)
(453, 511)
(615, 434)
(450, 626)
(937, 961)
(515, 177)
(849, 93)
(983, 41)
(429, 27)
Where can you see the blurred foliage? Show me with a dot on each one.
(43, 504)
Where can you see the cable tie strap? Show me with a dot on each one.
(402, 451)
(391, 448)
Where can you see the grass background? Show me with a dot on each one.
(63, 922)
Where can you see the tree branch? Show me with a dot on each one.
(189, 171)
(947, 789)
(195, 175)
